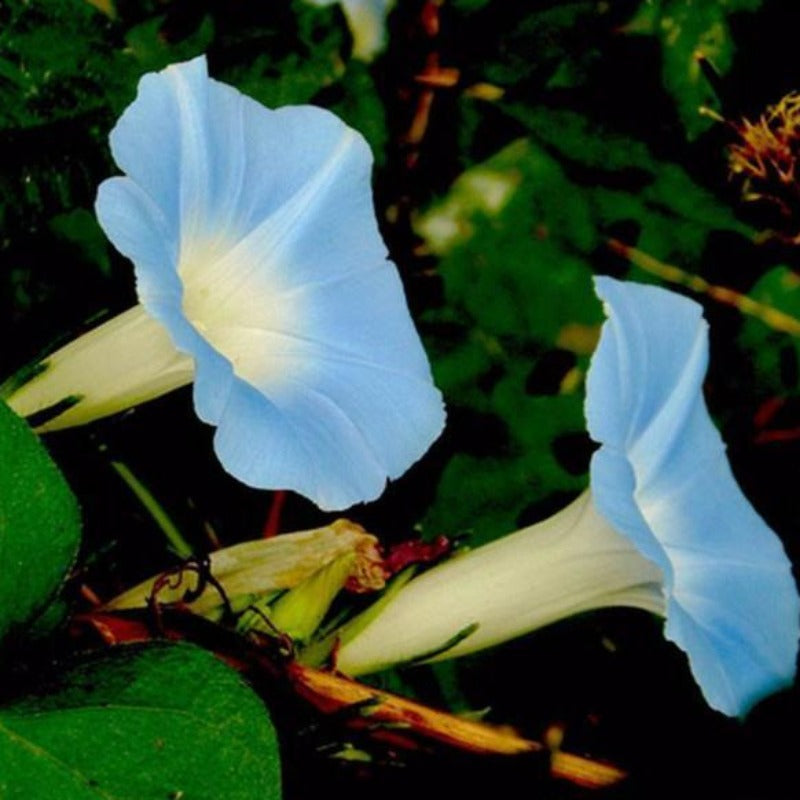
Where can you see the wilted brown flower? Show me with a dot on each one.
(765, 158)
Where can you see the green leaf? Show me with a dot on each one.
(62, 81)
(469, 5)
(52, 62)
(773, 354)
(80, 229)
(39, 525)
(688, 29)
(147, 45)
(361, 107)
(622, 181)
(502, 228)
(538, 44)
(291, 66)
(157, 721)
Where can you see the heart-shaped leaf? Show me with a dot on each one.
(155, 721)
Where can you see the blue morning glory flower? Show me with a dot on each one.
(261, 276)
(662, 478)
(663, 527)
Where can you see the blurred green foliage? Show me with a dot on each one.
(773, 355)
(690, 31)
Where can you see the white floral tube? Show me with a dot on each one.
(126, 361)
(573, 562)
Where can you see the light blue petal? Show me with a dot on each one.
(140, 231)
(662, 478)
(254, 240)
(344, 414)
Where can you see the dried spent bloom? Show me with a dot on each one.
(251, 569)
(664, 527)
(765, 159)
(366, 20)
(262, 277)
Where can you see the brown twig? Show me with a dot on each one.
(332, 693)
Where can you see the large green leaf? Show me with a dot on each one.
(159, 721)
(39, 525)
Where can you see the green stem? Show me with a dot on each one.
(178, 544)
(317, 652)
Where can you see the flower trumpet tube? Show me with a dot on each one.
(664, 527)
(262, 278)
(573, 562)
